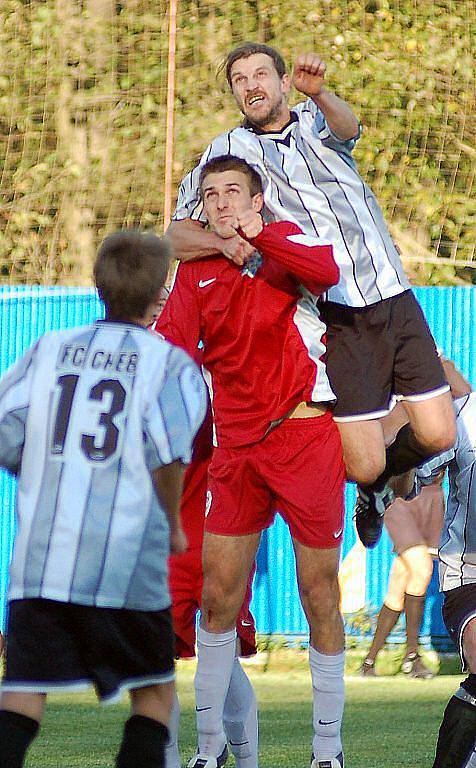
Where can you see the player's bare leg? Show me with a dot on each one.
(320, 596)
(409, 577)
(364, 449)
(457, 736)
(20, 717)
(432, 422)
(227, 562)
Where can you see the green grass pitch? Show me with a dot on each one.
(389, 721)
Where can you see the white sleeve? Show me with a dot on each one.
(15, 388)
(324, 132)
(176, 411)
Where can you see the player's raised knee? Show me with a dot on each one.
(364, 470)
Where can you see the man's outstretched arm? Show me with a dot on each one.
(191, 241)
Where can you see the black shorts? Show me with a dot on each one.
(52, 646)
(459, 607)
(378, 354)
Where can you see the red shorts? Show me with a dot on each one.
(297, 469)
(185, 581)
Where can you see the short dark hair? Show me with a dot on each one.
(244, 50)
(232, 163)
(130, 269)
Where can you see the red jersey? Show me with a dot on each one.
(262, 334)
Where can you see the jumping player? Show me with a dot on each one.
(98, 451)
(276, 444)
(378, 342)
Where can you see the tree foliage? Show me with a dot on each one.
(83, 112)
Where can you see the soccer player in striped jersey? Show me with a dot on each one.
(456, 746)
(97, 422)
(378, 342)
(277, 446)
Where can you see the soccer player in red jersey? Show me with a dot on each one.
(240, 716)
(185, 582)
(277, 446)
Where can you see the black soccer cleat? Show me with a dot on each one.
(206, 761)
(369, 512)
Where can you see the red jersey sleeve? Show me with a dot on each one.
(305, 257)
(179, 321)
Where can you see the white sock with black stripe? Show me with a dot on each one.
(327, 673)
(216, 655)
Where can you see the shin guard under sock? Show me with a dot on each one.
(16, 734)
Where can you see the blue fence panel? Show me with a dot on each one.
(27, 312)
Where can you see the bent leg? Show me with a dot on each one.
(433, 422)
(319, 589)
(364, 449)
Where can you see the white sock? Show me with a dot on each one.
(327, 674)
(216, 654)
(240, 718)
(172, 755)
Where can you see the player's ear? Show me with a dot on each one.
(286, 84)
(257, 202)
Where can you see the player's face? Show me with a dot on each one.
(259, 91)
(225, 196)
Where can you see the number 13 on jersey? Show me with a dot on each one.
(90, 415)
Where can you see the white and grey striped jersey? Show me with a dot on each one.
(310, 178)
(458, 538)
(85, 416)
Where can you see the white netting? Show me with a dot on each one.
(83, 93)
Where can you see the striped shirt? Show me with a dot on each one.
(458, 540)
(310, 178)
(85, 416)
